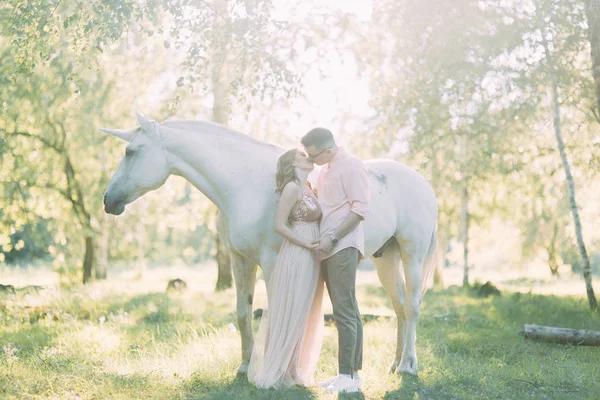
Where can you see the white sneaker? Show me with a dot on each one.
(328, 382)
(345, 384)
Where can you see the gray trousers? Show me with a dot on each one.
(339, 273)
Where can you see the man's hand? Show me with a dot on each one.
(325, 245)
(314, 245)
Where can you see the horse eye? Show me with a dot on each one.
(128, 152)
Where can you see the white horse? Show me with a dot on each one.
(237, 173)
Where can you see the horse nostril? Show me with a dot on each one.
(104, 199)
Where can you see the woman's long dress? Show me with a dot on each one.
(290, 334)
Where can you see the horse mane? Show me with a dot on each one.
(199, 126)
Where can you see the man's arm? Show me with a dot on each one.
(351, 222)
(356, 186)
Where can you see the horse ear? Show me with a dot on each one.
(143, 121)
(121, 134)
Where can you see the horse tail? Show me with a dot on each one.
(430, 261)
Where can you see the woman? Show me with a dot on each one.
(290, 334)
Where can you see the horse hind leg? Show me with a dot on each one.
(412, 262)
(392, 280)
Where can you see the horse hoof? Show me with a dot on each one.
(393, 368)
(242, 371)
(408, 367)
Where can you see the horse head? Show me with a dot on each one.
(143, 168)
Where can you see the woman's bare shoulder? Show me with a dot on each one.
(291, 190)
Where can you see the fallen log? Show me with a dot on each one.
(579, 337)
(329, 318)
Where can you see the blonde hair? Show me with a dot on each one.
(286, 172)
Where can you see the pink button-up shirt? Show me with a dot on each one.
(343, 187)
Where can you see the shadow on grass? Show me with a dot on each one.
(160, 308)
(199, 387)
(118, 383)
(158, 317)
(29, 340)
(351, 396)
(511, 308)
(141, 301)
(526, 281)
(547, 310)
(413, 388)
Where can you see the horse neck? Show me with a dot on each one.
(226, 167)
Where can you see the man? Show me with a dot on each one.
(343, 190)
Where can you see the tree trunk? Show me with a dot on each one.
(438, 276)
(438, 273)
(225, 278)
(464, 206)
(88, 259)
(220, 114)
(141, 259)
(464, 217)
(587, 271)
(76, 196)
(579, 337)
(552, 262)
(102, 265)
(592, 11)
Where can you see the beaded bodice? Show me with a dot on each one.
(307, 209)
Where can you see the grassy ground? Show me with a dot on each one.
(126, 339)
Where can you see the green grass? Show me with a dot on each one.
(111, 341)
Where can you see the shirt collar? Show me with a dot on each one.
(339, 156)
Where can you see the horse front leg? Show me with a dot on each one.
(244, 272)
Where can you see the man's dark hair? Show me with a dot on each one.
(318, 137)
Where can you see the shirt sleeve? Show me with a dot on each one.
(356, 186)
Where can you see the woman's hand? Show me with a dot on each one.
(314, 245)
